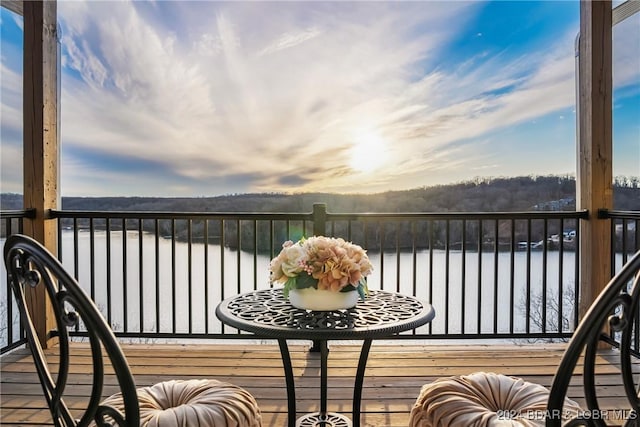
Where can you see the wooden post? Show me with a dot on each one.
(595, 175)
(319, 229)
(41, 153)
(319, 219)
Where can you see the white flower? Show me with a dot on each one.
(293, 258)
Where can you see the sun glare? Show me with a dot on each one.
(368, 151)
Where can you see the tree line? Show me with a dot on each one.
(502, 194)
(526, 193)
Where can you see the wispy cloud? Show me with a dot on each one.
(289, 40)
(11, 126)
(626, 49)
(275, 98)
(224, 97)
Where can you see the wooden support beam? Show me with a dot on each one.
(41, 153)
(595, 158)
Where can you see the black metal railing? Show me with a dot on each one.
(160, 275)
(625, 235)
(625, 241)
(11, 335)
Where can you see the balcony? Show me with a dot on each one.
(507, 287)
(497, 303)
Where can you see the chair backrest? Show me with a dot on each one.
(30, 265)
(615, 308)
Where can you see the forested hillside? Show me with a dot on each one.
(527, 193)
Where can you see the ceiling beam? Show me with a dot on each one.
(16, 6)
(625, 10)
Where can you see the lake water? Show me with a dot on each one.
(481, 303)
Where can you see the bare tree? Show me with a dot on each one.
(552, 320)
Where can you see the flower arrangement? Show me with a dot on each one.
(323, 263)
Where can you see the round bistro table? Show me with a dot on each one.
(269, 314)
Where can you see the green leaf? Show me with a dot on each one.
(363, 289)
(349, 288)
(305, 281)
(288, 285)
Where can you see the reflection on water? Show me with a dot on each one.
(472, 293)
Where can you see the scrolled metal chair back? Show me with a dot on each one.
(617, 308)
(30, 265)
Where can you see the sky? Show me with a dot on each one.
(205, 98)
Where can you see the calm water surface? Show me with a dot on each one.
(471, 293)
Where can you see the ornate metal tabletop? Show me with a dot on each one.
(269, 313)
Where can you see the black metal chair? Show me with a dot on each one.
(204, 402)
(488, 399)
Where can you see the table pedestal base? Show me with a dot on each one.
(268, 313)
(330, 419)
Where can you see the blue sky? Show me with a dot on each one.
(200, 98)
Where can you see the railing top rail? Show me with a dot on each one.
(179, 215)
(309, 216)
(25, 213)
(605, 213)
(462, 215)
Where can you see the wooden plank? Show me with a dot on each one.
(389, 391)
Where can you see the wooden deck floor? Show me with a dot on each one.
(394, 375)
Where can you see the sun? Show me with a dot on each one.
(368, 152)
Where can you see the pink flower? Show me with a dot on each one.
(333, 262)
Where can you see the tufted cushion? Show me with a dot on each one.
(203, 403)
(483, 399)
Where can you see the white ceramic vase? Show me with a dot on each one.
(322, 300)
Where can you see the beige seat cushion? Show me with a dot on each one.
(483, 399)
(202, 403)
